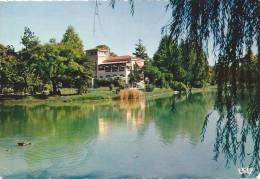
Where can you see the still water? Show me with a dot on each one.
(158, 138)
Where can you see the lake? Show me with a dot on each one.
(185, 136)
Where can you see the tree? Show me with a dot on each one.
(152, 73)
(8, 67)
(84, 74)
(29, 39)
(56, 64)
(38, 65)
(102, 46)
(197, 66)
(247, 70)
(80, 71)
(181, 62)
(71, 40)
(135, 75)
(26, 58)
(50, 65)
(140, 50)
(167, 57)
(234, 26)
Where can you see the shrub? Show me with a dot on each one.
(106, 82)
(7, 91)
(197, 84)
(102, 82)
(149, 87)
(178, 86)
(111, 86)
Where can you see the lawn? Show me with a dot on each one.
(98, 94)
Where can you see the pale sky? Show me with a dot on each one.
(116, 28)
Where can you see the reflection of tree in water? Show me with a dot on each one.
(179, 116)
(231, 136)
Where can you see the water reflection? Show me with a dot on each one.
(123, 138)
(181, 116)
(237, 122)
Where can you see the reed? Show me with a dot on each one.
(126, 94)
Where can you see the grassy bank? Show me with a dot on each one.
(99, 94)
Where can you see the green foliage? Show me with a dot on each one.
(39, 65)
(247, 74)
(72, 41)
(29, 39)
(152, 73)
(140, 50)
(182, 62)
(136, 75)
(102, 46)
(211, 75)
(149, 87)
(111, 86)
(178, 86)
(117, 81)
(198, 84)
(232, 25)
(7, 91)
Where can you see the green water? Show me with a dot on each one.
(157, 138)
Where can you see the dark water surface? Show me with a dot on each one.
(158, 138)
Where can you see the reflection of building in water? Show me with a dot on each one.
(102, 127)
(131, 113)
(135, 116)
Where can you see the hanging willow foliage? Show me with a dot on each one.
(233, 25)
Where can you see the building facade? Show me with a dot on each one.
(107, 66)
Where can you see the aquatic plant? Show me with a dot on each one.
(126, 94)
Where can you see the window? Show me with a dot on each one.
(114, 68)
(108, 68)
(92, 53)
(101, 67)
(102, 53)
(122, 68)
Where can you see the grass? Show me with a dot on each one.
(92, 95)
(158, 93)
(99, 94)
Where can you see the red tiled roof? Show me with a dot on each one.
(140, 63)
(124, 58)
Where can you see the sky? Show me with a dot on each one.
(116, 27)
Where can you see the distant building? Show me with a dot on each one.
(107, 66)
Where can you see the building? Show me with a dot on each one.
(107, 66)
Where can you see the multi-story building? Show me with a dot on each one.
(107, 66)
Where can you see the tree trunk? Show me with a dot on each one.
(54, 88)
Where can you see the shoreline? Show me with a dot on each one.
(96, 96)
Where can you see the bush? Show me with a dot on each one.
(149, 87)
(106, 82)
(111, 86)
(178, 86)
(197, 84)
(7, 91)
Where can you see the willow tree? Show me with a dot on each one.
(232, 24)
(234, 27)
